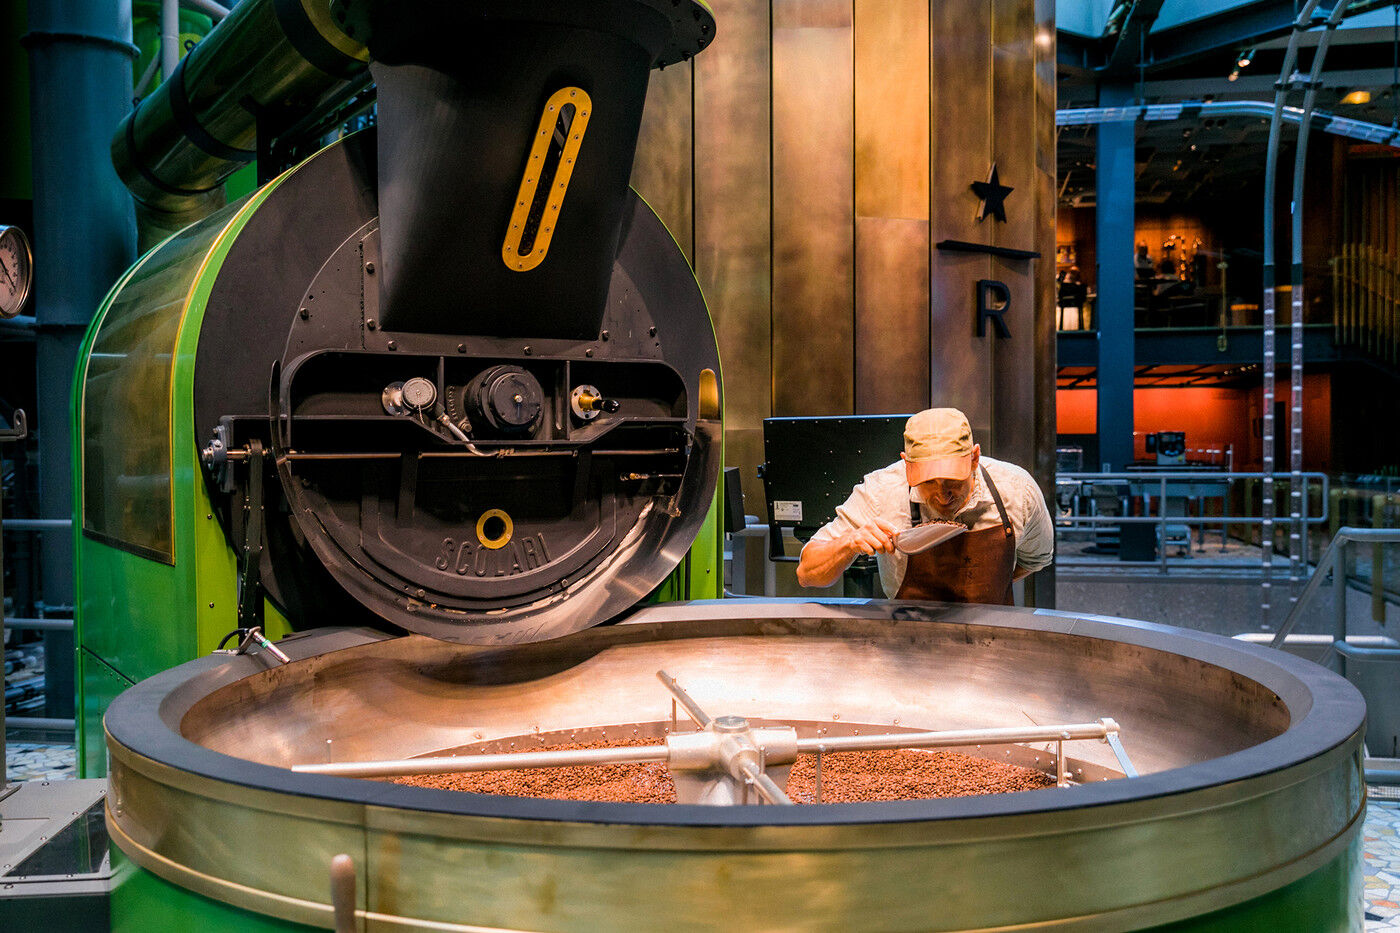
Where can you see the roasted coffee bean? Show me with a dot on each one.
(847, 777)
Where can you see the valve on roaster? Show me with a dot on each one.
(410, 397)
(415, 398)
(586, 402)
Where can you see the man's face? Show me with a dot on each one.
(946, 496)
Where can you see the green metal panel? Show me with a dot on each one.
(141, 610)
(97, 684)
(144, 903)
(700, 574)
(1329, 899)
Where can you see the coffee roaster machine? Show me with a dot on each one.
(419, 415)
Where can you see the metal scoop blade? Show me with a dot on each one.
(921, 538)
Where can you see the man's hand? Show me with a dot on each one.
(822, 563)
(877, 537)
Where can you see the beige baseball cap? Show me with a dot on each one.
(938, 445)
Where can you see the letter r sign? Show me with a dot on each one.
(993, 300)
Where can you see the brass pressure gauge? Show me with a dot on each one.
(16, 270)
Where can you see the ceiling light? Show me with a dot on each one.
(1245, 58)
(1357, 97)
(1234, 75)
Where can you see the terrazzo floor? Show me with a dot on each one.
(1381, 848)
(28, 761)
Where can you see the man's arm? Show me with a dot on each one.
(1036, 547)
(824, 559)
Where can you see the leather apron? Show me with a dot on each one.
(974, 567)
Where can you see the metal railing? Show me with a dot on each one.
(1366, 302)
(1381, 509)
(34, 526)
(1333, 562)
(1165, 497)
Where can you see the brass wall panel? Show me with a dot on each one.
(813, 210)
(891, 205)
(814, 14)
(891, 108)
(733, 246)
(1014, 149)
(892, 323)
(960, 150)
(662, 171)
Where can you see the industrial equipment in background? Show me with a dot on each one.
(1169, 447)
(16, 270)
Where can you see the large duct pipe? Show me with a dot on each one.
(266, 63)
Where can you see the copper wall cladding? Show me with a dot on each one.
(663, 171)
(892, 95)
(834, 143)
(813, 208)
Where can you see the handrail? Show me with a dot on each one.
(1163, 480)
(1330, 561)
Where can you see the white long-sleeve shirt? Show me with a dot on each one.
(885, 494)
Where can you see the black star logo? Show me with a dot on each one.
(993, 194)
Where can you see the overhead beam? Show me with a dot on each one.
(1137, 23)
(1230, 29)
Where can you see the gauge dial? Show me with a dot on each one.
(16, 270)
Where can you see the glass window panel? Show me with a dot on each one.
(126, 406)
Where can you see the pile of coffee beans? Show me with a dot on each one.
(847, 777)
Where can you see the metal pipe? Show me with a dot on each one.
(209, 8)
(1194, 109)
(201, 124)
(1285, 82)
(18, 432)
(1339, 590)
(1124, 761)
(147, 77)
(41, 625)
(1378, 503)
(169, 37)
(692, 709)
(37, 524)
(450, 764)
(38, 722)
(1295, 370)
(1004, 736)
(767, 788)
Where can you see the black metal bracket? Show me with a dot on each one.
(249, 638)
(19, 431)
(250, 547)
(1006, 252)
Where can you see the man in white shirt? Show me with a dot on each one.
(941, 476)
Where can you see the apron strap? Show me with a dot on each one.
(996, 497)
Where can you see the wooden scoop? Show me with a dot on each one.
(921, 538)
